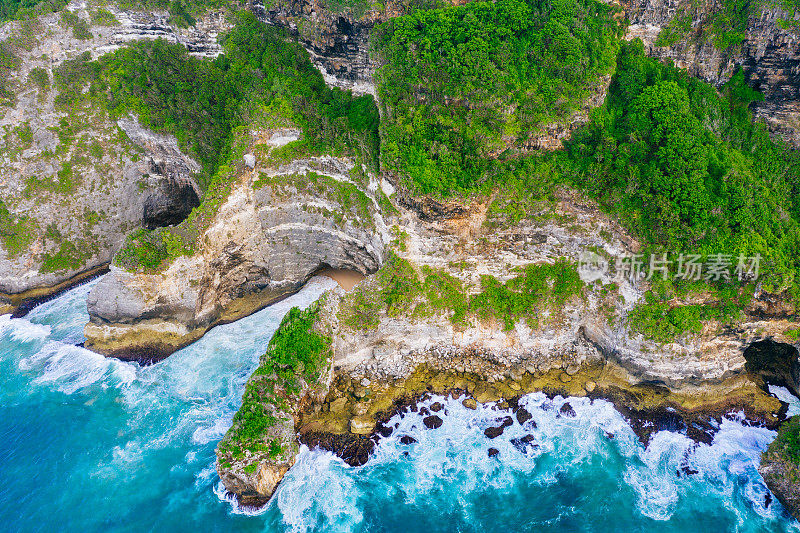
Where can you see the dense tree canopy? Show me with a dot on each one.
(459, 83)
(687, 168)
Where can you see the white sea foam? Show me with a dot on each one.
(670, 472)
(318, 487)
(22, 330)
(189, 399)
(225, 496)
(783, 394)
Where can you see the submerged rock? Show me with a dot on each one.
(523, 416)
(567, 410)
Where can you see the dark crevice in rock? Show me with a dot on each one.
(773, 363)
(169, 204)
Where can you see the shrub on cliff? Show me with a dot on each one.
(459, 83)
(687, 169)
(295, 359)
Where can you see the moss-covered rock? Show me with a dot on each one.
(780, 466)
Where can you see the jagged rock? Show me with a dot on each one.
(493, 432)
(523, 416)
(407, 439)
(432, 422)
(123, 182)
(265, 242)
(567, 410)
(493, 452)
(470, 403)
(780, 471)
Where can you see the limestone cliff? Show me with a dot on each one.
(766, 46)
(281, 223)
(338, 38)
(74, 182)
(386, 356)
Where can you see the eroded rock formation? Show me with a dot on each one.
(280, 224)
(74, 183)
(384, 362)
(769, 52)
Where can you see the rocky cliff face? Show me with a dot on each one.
(769, 52)
(73, 182)
(281, 223)
(336, 35)
(779, 467)
(385, 359)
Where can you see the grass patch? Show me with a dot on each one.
(402, 291)
(16, 231)
(295, 359)
(662, 319)
(147, 250)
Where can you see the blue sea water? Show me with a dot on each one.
(94, 444)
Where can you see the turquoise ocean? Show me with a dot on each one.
(90, 444)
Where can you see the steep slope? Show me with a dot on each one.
(75, 180)
(280, 224)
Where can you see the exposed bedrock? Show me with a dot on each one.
(383, 362)
(276, 229)
(75, 235)
(769, 53)
(337, 41)
(73, 182)
(780, 466)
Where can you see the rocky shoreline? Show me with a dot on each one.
(287, 218)
(780, 467)
(20, 304)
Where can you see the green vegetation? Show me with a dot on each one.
(540, 287)
(16, 232)
(460, 83)
(203, 101)
(69, 256)
(26, 9)
(787, 442)
(263, 79)
(402, 291)
(9, 62)
(147, 249)
(724, 25)
(686, 169)
(676, 30)
(80, 29)
(295, 359)
(24, 134)
(40, 77)
(102, 17)
(662, 320)
(356, 206)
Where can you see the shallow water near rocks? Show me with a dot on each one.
(95, 444)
